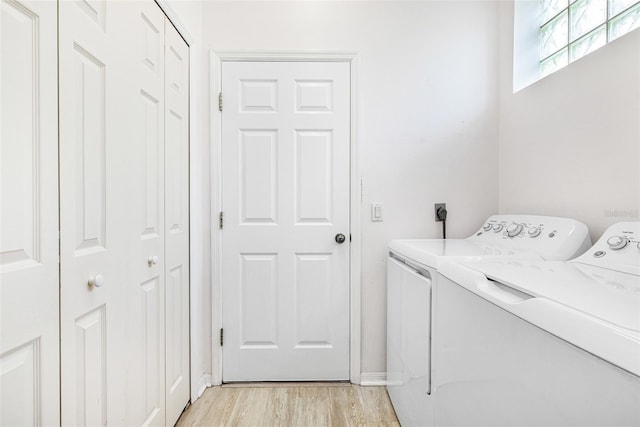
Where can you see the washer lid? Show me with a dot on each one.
(609, 295)
(431, 252)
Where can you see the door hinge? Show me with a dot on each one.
(220, 101)
(221, 220)
(221, 337)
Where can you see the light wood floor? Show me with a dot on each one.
(291, 405)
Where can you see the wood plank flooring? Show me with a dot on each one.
(291, 404)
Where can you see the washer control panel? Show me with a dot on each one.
(551, 237)
(617, 249)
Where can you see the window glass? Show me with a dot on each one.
(625, 22)
(585, 15)
(553, 35)
(570, 29)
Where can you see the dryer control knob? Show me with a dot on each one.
(514, 229)
(534, 232)
(497, 227)
(486, 227)
(617, 242)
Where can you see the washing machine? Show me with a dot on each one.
(412, 273)
(541, 343)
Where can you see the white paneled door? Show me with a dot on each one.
(145, 286)
(285, 198)
(29, 339)
(94, 159)
(176, 221)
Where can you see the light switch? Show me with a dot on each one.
(376, 212)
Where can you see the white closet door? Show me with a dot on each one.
(29, 338)
(176, 222)
(145, 252)
(94, 158)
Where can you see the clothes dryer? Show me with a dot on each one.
(540, 343)
(412, 272)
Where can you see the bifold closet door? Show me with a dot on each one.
(145, 282)
(29, 337)
(124, 214)
(94, 193)
(176, 222)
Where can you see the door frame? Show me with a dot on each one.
(355, 196)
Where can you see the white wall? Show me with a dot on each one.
(428, 113)
(570, 143)
(428, 128)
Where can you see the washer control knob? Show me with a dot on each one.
(486, 227)
(617, 242)
(497, 227)
(514, 229)
(534, 231)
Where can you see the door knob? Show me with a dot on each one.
(340, 238)
(96, 281)
(152, 260)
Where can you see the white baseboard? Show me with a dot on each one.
(203, 383)
(373, 379)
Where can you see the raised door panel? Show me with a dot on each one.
(314, 175)
(20, 238)
(258, 176)
(91, 368)
(258, 96)
(258, 303)
(176, 220)
(176, 333)
(90, 183)
(314, 96)
(313, 301)
(19, 385)
(29, 342)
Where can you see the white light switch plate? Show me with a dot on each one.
(376, 212)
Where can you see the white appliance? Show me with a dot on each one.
(412, 269)
(541, 343)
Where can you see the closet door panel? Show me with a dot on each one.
(93, 211)
(29, 342)
(145, 278)
(176, 222)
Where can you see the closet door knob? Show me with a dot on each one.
(96, 281)
(152, 260)
(340, 238)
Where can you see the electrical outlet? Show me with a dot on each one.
(438, 206)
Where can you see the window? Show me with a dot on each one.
(573, 28)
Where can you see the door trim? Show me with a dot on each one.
(355, 197)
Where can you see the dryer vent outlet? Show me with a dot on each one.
(440, 210)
